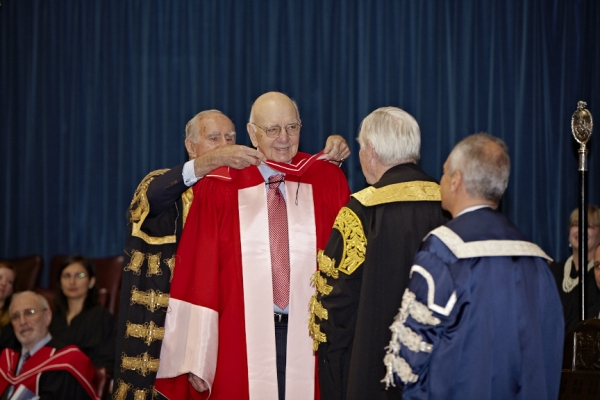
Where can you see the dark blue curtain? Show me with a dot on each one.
(95, 94)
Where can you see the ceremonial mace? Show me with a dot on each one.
(581, 125)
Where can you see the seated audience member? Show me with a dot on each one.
(78, 318)
(566, 273)
(42, 364)
(7, 282)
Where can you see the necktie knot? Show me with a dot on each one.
(275, 181)
(26, 356)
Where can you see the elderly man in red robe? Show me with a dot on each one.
(43, 366)
(237, 325)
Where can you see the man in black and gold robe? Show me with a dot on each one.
(155, 220)
(365, 267)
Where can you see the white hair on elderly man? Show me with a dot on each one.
(393, 133)
(191, 128)
(41, 299)
(484, 165)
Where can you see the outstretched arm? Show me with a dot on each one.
(165, 189)
(233, 156)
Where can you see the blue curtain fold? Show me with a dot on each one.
(95, 94)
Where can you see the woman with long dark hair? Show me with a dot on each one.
(78, 318)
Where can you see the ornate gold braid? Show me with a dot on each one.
(187, 198)
(148, 332)
(153, 264)
(121, 391)
(355, 242)
(139, 209)
(143, 364)
(315, 332)
(171, 263)
(327, 264)
(135, 263)
(151, 299)
(140, 394)
(321, 283)
(404, 191)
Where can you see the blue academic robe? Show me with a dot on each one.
(481, 318)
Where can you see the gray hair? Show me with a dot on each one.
(191, 128)
(484, 164)
(393, 133)
(41, 299)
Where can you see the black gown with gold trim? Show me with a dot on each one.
(363, 273)
(154, 228)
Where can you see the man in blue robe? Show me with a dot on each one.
(481, 318)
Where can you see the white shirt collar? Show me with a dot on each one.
(473, 208)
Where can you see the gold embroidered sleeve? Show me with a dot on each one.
(355, 242)
(139, 209)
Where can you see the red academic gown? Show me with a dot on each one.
(69, 359)
(220, 322)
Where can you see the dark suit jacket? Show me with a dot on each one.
(165, 190)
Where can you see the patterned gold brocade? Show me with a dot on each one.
(148, 332)
(315, 333)
(153, 265)
(186, 198)
(404, 191)
(326, 264)
(142, 364)
(140, 207)
(171, 263)
(151, 299)
(140, 394)
(317, 308)
(135, 264)
(321, 283)
(121, 391)
(355, 242)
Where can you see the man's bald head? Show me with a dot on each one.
(270, 111)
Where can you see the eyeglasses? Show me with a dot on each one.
(68, 276)
(273, 131)
(27, 314)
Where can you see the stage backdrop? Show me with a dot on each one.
(96, 94)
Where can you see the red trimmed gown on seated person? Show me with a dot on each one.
(220, 321)
(52, 372)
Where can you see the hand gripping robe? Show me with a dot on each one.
(481, 318)
(150, 248)
(362, 274)
(52, 372)
(220, 323)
